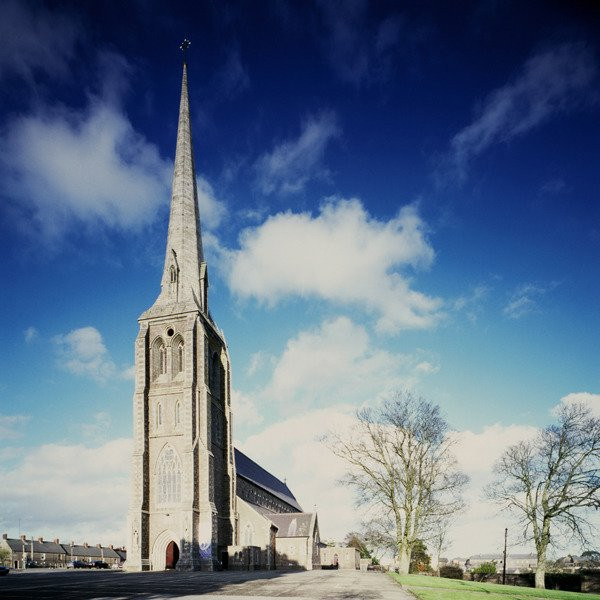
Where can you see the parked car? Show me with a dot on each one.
(78, 564)
(4, 570)
(99, 564)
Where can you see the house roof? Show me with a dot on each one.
(253, 472)
(19, 545)
(292, 524)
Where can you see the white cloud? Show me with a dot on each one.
(128, 373)
(333, 363)
(212, 210)
(292, 451)
(247, 414)
(337, 363)
(525, 300)
(232, 79)
(480, 526)
(89, 167)
(31, 333)
(592, 401)
(35, 39)
(69, 491)
(258, 360)
(549, 83)
(293, 163)
(97, 430)
(342, 255)
(82, 352)
(471, 303)
(427, 367)
(11, 425)
(359, 49)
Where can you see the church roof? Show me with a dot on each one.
(292, 524)
(253, 472)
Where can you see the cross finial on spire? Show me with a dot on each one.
(184, 46)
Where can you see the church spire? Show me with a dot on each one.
(184, 275)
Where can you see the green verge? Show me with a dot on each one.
(438, 588)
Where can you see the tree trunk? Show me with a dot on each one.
(541, 545)
(540, 571)
(403, 559)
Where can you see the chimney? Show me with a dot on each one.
(85, 545)
(56, 541)
(5, 536)
(72, 543)
(23, 537)
(110, 545)
(40, 540)
(98, 545)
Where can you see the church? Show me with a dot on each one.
(197, 503)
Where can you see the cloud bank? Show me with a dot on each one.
(293, 163)
(82, 352)
(551, 82)
(87, 167)
(342, 255)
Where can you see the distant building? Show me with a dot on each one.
(43, 553)
(573, 563)
(343, 557)
(515, 563)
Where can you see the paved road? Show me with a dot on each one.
(260, 585)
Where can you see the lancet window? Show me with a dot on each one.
(159, 358)
(168, 479)
(177, 355)
(177, 414)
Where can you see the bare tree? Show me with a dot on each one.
(551, 481)
(378, 535)
(401, 465)
(439, 539)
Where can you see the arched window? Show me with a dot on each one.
(177, 414)
(168, 481)
(159, 414)
(159, 358)
(177, 356)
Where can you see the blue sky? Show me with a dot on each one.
(393, 195)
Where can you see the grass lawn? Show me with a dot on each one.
(438, 588)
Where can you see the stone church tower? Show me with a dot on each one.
(182, 508)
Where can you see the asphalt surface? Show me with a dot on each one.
(234, 585)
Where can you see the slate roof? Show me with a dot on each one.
(253, 472)
(17, 545)
(292, 524)
(91, 552)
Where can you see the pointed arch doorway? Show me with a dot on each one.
(171, 555)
